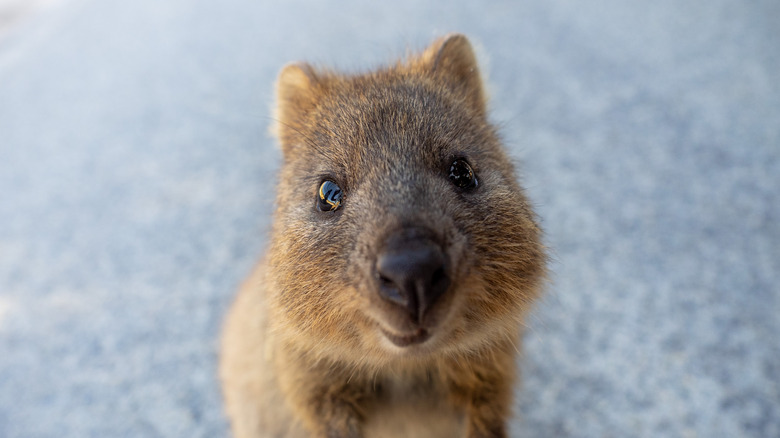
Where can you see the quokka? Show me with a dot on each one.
(404, 256)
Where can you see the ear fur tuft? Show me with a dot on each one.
(296, 93)
(453, 59)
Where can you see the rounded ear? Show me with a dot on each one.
(295, 91)
(296, 94)
(452, 59)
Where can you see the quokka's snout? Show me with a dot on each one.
(412, 272)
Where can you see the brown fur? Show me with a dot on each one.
(303, 350)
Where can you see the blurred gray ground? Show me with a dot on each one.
(136, 182)
(13, 12)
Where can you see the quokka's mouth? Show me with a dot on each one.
(420, 336)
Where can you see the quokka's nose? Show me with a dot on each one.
(412, 273)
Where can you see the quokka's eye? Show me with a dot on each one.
(329, 196)
(461, 175)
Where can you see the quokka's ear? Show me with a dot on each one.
(297, 91)
(452, 59)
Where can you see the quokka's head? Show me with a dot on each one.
(401, 232)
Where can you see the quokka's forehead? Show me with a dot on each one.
(403, 117)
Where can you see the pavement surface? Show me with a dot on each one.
(136, 187)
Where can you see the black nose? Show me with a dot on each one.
(412, 273)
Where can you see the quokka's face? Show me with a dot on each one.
(401, 231)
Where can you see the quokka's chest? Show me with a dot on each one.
(412, 408)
